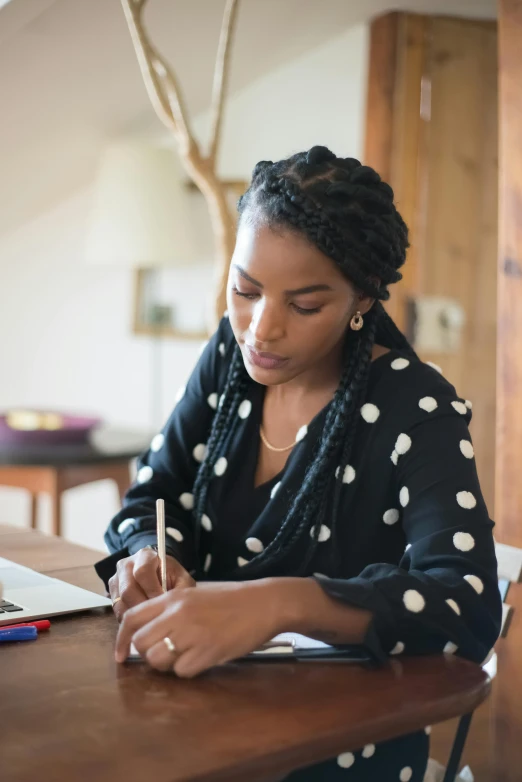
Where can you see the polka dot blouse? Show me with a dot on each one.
(412, 542)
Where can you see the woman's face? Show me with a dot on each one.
(289, 305)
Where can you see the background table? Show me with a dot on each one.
(68, 712)
(54, 469)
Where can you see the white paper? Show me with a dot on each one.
(299, 642)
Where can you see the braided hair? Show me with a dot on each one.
(343, 208)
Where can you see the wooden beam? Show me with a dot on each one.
(508, 486)
(381, 93)
(395, 129)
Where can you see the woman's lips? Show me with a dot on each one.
(264, 360)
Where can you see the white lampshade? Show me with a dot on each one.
(140, 215)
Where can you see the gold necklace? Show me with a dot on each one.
(272, 447)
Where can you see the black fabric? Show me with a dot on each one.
(412, 540)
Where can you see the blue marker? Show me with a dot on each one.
(18, 634)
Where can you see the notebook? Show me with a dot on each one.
(294, 646)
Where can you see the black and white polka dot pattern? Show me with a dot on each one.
(411, 541)
(145, 474)
(324, 533)
(157, 442)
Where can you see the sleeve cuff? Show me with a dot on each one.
(106, 568)
(360, 593)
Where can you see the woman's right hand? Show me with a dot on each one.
(138, 578)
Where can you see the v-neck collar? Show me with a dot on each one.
(258, 396)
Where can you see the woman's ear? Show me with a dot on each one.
(364, 304)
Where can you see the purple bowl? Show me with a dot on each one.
(75, 431)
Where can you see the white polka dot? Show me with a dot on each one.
(398, 648)
(275, 490)
(208, 562)
(213, 401)
(466, 448)
(125, 525)
(221, 348)
(400, 363)
(454, 606)
(241, 561)
(181, 393)
(254, 545)
(403, 444)
(428, 403)
(370, 412)
(468, 404)
(349, 474)
(413, 601)
(394, 457)
(303, 431)
(324, 533)
(460, 407)
(225, 314)
(244, 408)
(466, 500)
(391, 516)
(220, 466)
(199, 452)
(187, 500)
(144, 474)
(368, 751)
(408, 547)
(476, 583)
(434, 366)
(175, 533)
(450, 648)
(157, 442)
(346, 760)
(406, 774)
(427, 730)
(404, 496)
(463, 541)
(206, 523)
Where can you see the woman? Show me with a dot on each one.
(318, 477)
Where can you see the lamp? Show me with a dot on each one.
(144, 218)
(141, 220)
(140, 215)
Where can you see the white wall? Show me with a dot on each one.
(65, 327)
(316, 99)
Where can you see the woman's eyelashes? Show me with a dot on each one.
(296, 307)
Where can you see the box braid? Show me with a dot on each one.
(344, 209)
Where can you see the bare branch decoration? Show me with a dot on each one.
(165, 95)
(221, 72)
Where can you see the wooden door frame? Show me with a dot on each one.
(508, 485)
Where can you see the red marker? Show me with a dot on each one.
(41, 624)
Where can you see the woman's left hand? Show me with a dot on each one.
(209, 625)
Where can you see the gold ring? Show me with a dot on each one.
(115, 601)
(168, 643)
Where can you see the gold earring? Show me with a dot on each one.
(357, 322)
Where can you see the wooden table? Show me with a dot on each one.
(68, 712)
(52, 469)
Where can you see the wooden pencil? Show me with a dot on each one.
(162, 551)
